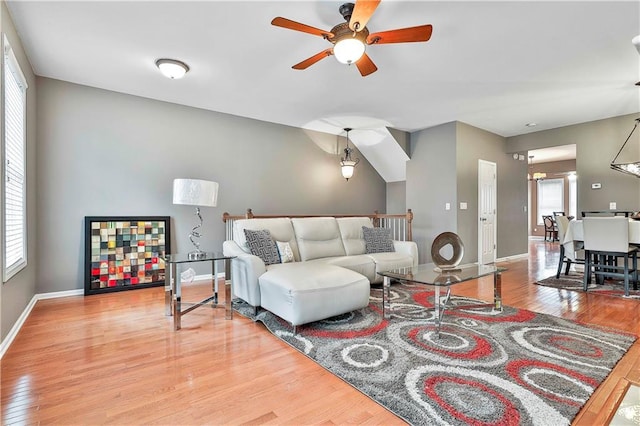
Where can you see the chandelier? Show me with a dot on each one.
(628, 168)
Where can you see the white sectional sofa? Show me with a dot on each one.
(331, 272)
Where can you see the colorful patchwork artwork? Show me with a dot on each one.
(124, 252)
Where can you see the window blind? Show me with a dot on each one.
(15, 253)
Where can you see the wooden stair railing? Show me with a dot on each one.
(400, 224)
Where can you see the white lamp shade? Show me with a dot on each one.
(348, 50)
(348, 168)
(195, 192)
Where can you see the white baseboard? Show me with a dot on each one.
(6, 342)
(514, 257)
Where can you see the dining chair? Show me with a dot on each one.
(550, 229)
(569, 251)
(606, 240)
(555, 214)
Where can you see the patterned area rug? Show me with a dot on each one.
(573, 281)
(508, 368)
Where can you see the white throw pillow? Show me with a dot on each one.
(286, 254)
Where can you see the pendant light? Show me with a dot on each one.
(347, 163)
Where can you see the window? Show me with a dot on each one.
(550, 197)
(14, 189)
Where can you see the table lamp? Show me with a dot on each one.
(199, 193)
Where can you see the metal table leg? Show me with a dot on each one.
(227, 289)
(386, 298)
(168, 291)
(215, 284)
(177, 297)
(497, 291)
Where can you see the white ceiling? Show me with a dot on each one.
(493, 65)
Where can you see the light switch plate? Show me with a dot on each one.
(463, 206)
(447, 206)
(612, 205)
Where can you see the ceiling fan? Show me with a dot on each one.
(349, 38)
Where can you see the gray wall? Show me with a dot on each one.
(511, 234)
(397, 197)
(431, 182)
(444, 169)
(597, 143)
(106, 153)
(16, 293)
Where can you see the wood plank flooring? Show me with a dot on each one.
(115, 359)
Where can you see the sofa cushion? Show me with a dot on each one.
(262, 245)
(389, 261)
(280, 228)
(360, 263)
(306, 292)
(377, 240)
(318, 237)
(351, 233)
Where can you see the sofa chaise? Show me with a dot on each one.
(312, 268)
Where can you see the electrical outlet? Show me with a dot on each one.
(612, 205)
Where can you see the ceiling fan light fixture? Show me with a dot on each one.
(348, 50)
(172, 68)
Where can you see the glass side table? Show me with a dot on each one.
(428, 274)
(172, 287)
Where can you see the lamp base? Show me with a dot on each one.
(197, 255)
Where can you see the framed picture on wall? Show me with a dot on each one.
(125, 252)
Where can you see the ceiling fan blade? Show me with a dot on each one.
(365, 65)
(312, 60)
(297, 26)
(361, 14)
(403, 35)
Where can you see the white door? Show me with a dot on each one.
(487, 204)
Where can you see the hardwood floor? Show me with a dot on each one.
(115, 359)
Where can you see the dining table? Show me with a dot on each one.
(575, 232)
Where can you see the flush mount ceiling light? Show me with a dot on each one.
(172, 68)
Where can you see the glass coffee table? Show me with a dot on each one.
(429, 274)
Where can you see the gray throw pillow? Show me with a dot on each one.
(262, 245)
(377, 240)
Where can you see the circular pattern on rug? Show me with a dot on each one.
(456, 345)
(552, 381)
(565, 345)
(508, 314)
(455, 395)
(362, 322)
(362, 359)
